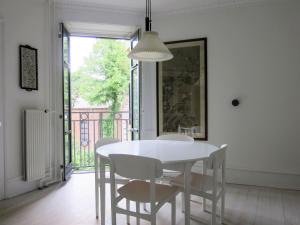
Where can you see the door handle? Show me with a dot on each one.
(134, 130)
(68, 132)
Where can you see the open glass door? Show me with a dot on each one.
(2, 179)
(135, 92)
(67, 150)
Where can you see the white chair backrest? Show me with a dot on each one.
(175, 137)
(105, 141)
(217, 158)
(135, 167)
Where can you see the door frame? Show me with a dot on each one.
(137, 34)
(2, 152)
(67, 169)
(61, 79)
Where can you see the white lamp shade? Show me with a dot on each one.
(150, 48)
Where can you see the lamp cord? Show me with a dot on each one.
(148, 19)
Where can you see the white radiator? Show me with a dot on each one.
(36, 124)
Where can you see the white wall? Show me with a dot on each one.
(33, 22)
(254, 55)
(25, 22)
(148, 107)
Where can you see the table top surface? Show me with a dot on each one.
(163, 150)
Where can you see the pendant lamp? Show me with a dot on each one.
(150, 48)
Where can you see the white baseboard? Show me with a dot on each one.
(18, 186)
(265, 179)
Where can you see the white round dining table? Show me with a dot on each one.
(175, 155)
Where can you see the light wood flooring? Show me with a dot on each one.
(73, 204)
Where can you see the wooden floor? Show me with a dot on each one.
(73, 204)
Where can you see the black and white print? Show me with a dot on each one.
(28, 68)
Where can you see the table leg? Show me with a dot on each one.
(187, 192)
(102, 190)
(97, 185)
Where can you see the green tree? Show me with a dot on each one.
(104, 78)
(105, 75)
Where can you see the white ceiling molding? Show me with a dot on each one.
(160, 7)
(206, 7)
(100, 30)
(95, 7)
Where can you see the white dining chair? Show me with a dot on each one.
(168, 174)
(118, 179)
(209, 186)
(142, 172)
(106, 141)
(175, 137)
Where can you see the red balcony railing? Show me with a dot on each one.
(89, 127)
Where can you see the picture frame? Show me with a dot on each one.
(28, 57)
(181, 85)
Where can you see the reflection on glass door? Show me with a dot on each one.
(135, 93)
(66, 104)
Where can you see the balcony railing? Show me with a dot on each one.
(89, 127)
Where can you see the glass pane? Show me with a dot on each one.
(135, 103)
(66, 106)
(134, 43)
(66, 49)
(67, 146)
(66, 92)
(66, 99)
(67, 116)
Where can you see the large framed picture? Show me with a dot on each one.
(28, 67)
(182, 90)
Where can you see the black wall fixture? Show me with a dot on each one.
(235, 102)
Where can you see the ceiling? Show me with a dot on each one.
(158, 6)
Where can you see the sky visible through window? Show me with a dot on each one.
(80, 48)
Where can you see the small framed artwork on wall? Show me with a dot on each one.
(182, 90)
(28, 67)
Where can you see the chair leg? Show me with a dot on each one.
(138, 212)
(214, 212)
(204, 205)
(173, 211)
(102, 191)
(222, 207)
(153, 220)
(128, 208)
(97, 186)
(182, 202)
